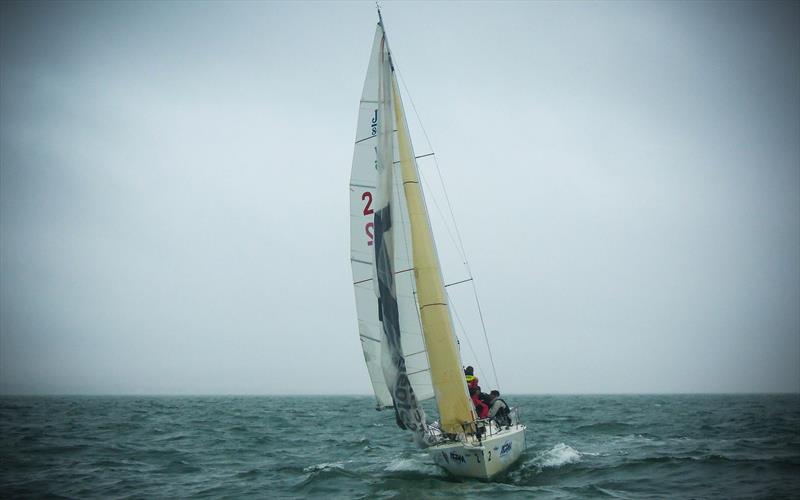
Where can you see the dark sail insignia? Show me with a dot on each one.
(406, 407)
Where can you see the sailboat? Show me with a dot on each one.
(404, 319)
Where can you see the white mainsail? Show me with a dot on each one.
(368, 194)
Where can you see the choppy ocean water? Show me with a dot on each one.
(676, 446)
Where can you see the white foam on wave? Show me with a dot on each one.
(558, 455)
(324, 466)
(403, 464)
(413, 465)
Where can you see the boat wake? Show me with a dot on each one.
(414, 465)
(558, 456)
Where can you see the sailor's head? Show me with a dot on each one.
(469, 371)
(473, 390)
(494, 394)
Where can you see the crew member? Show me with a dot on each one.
(480, 407)
(499, 410)
(472, 380)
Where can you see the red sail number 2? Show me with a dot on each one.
(369, 227)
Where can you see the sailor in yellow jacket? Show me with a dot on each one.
(472, 380)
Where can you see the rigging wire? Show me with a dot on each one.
(453, 307)
(460, 245)
(459, 248)
(466, 337)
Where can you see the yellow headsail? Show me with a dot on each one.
(455, 406)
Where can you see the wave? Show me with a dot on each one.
(248, 474)
(547, 462)
(318, 477)
(201, 449)
(414, 465)
(179, 467)
(324, 467)
(557, 456)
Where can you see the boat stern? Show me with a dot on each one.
(482, 460)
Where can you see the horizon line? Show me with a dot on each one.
(167, 394)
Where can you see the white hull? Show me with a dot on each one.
(485, 459)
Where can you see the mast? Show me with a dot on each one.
(455, 406)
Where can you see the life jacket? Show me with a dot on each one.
(480, 407)
(472, 381)
(503, 415)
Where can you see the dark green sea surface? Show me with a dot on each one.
(681, 446)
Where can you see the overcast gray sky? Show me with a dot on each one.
(174, 208)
